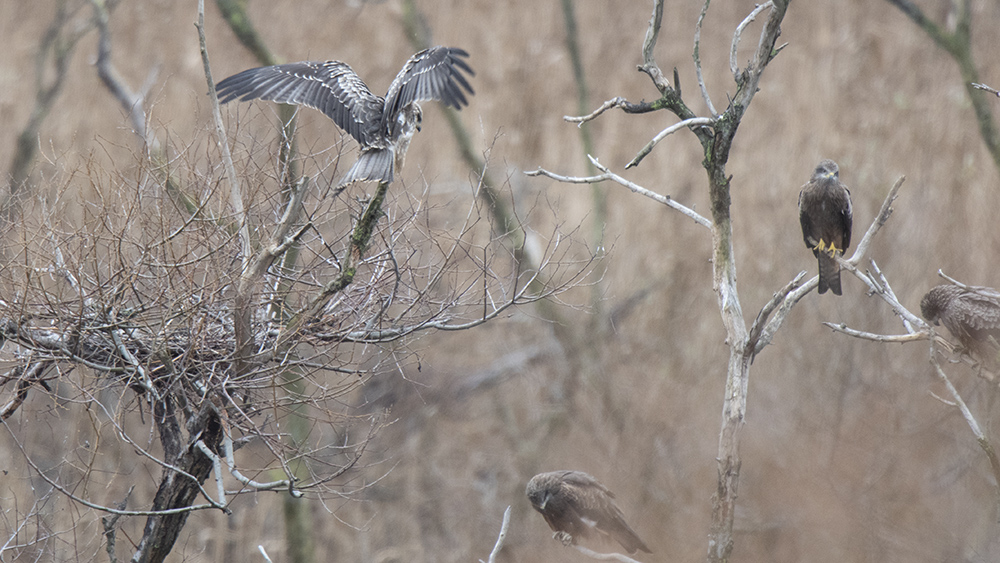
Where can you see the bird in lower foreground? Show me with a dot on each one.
(826, 217)
(971, 314)
(382, 126)
(574, 504)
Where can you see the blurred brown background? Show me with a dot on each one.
(846, 455)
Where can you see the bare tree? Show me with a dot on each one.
(716, 133)
(164, 298)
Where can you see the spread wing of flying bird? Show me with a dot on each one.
(382, 126)
(826, 217)
(576, 504)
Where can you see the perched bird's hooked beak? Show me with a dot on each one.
(545, 500)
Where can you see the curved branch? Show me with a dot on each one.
(692, 122)
(603, 556)
(501, 537)
(733, 65)
(696, 55)
(609, 175)
(883, 215)
(909, 337)
(649, 65)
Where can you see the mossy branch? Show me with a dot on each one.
(360, 240)
(958, 43)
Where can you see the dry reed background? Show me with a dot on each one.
(847, 456)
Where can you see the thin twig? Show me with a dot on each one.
(754, 341)
(503, 535)
(694, 121)
(733, 65)
(883, 215)
(609, 175)
(95, 506)
(697, 60)
(217, 469)
(603, 556)
(979, 86)
(984, 442)
(236, 197)
(909, 337)
(649, 65)
(610, 104)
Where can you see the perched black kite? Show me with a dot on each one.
(826, 217)
(383, 126)
(575, 504)
(971, 314)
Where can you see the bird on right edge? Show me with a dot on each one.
(972, 315)
(826, 217)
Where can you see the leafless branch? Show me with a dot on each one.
(860, 251)
(610, 104)
(96, 506)
(883, 215)
(986, 88)
(603, 556)
(692, 122)
(909, 337)
(649, 65)
(56, 49)
(131, 101)
(696, 55)
(236, 197)
(981, 438)
(733, 65)
(757, 340)
(609, 175)
(502, 536)
(217, 470)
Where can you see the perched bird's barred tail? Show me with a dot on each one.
(374, 165)
(829, 273)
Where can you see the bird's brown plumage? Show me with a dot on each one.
(382, 126)
(575, 503)
(826, 217)
(971, 314)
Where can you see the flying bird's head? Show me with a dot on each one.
(407, 123)
(825, 170)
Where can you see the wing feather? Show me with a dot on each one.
(846, 216)
(432, 74)
(980, 311)
(331, 87)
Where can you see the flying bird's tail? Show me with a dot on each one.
(829, 273)
(374, 165)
